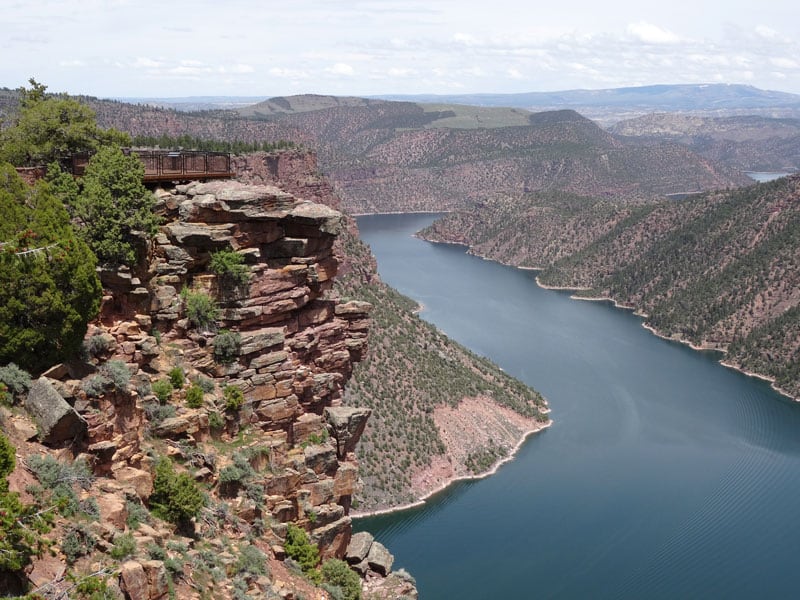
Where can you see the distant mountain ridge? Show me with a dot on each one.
(745, 142)
(608, 105)
(677, 97)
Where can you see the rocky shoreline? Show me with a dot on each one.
(443, 486)
(655, 332)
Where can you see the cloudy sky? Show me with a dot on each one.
(170, 48)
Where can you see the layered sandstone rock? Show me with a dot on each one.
(296, 348)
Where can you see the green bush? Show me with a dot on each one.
(118, 373)
(137, 514)
(298, 548)
(194, 396)
(201, 310)
(206, 384)
(95, 386)
(175, 496)
(251, 560)
(156, 552)
(5, 397)
(176, 377)
(18, 381)
(49, 127)
(58, 482)
(156, 412)
(124, 546)
(49, 289)
(215, 420)
(92, 587)
(143, 387)
(113, 205)
(336, 572)
(78, 541)
(95, 345)
(162, 388)
(230, 269)
(234, 397)
(21, 525)
(227, 345)
(8, 461)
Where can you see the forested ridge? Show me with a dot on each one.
(720, 270)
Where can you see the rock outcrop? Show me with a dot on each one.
(56, 419)
(267, 438)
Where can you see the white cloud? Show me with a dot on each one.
(651, 34)
(240, 68)
(402, 72)
(341, 69)
(289, 73)
(766, 32)
(784, 63)
(146, 63)
(389, 46)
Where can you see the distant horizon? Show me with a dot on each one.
(444, 94)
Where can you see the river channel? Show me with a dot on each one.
(664, 475)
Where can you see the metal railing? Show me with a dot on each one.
(171, 165)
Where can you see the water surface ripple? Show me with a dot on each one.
(665, 474)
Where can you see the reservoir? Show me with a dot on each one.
(664, 475)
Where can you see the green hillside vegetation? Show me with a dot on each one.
(410, 369)
(748, 142)
(301, 103)
(54, 234)
(721, 270)
(459, 116)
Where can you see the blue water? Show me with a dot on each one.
(764, 176)
(665, 475)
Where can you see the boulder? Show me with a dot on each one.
(157, 581)
(134, 581)
(56, 419)
(259, 340)
(112, 509)
(333, 538)
(46, 569)
(358, 548)
(346, 424)
(320, 458)
(141, 481)
(353, 308)
(380, 559)
(173, 427)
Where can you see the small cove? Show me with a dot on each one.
(664, 475)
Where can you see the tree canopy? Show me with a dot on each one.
(49, 289)
(49, 127)
(113, 205)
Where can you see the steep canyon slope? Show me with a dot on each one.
(204, 425)
(416, 381)
(719, 270)
(747, 143)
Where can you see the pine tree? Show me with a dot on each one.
(49, 289)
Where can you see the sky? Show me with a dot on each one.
(177, 48)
